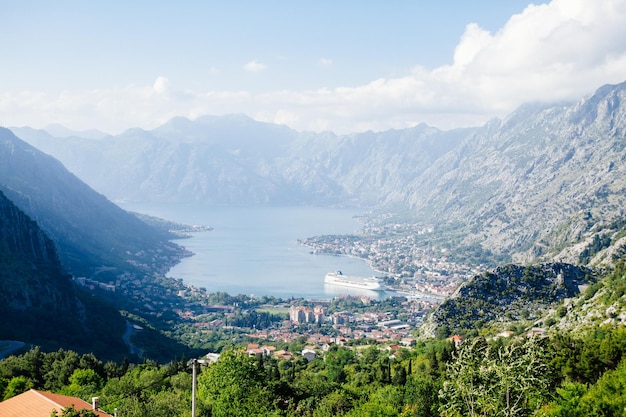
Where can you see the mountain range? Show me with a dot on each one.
(544, 178)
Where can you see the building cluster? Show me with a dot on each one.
(317, 347)
(398, 250)
(325, 329)
(256, 350)
(300, 314)
(436, 285)
(93, 284)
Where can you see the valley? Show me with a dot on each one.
(313, 209)
(487, 237)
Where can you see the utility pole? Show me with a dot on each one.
(194, 362)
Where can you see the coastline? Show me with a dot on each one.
(432, 297)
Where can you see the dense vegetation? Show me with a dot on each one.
(563, 375)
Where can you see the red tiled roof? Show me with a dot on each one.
(33, 403)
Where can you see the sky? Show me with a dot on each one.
(344, 66)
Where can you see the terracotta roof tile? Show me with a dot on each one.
(33, 403)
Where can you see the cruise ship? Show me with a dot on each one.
(338, 278)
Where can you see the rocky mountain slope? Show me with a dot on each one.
(507, 295)
(603, 303)
(536, 180)
(27, 251)
(556, 298)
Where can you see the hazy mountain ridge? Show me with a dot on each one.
(89, 230)
(374, 168)
(235, 160)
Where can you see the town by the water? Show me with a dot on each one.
(416, 278)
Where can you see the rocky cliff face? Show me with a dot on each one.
(31, 276)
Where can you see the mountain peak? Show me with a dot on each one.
(604, 110)
(60, 131)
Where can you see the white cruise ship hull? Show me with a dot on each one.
(337, 278)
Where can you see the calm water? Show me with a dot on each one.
(254, 250)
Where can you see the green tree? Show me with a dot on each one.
(510, 380)
(149, 390)
(608, 396)
(386, 401)
(336, 359)
(235, 386)
(72, 412)
(17, 385)
(336, 403)
(421, 395)
(566, 403)
(83, 383)
(398, 376)
(29, 365)
(58, 367)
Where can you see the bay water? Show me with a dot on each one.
(254, 250)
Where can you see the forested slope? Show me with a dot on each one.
(565, 375)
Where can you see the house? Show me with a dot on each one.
(456, 339)
(283, 354)
(33, 403)
(254, 349)
(408, 341)
(212, 357)
(256, 352)
(506, 333)
(309, 354)
(537, 332)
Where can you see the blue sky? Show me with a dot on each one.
(319, 65)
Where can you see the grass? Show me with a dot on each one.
(272, 310)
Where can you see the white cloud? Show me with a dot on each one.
(552, 52)
(548, 52)
(254, 66)
(160, 85)
(559, 51)
(325, 62)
